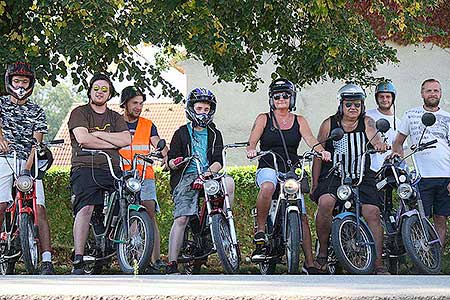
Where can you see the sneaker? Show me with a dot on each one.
(172, 268)
(78, 266)
(159, 264)
(47, 268)
(259, 238)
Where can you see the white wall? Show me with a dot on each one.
(237, 109)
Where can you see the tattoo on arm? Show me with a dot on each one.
(371, 123)
(254, 126)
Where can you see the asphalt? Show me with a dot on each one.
(209, 287)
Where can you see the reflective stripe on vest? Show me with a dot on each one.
(140, 145)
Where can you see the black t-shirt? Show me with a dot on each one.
(109, 121)
(133, 125)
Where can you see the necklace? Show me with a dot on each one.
(283, 121)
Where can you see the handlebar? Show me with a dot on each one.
(421, 147)
(89, 152)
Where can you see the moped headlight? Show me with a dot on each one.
(24, 183)
(211, 187)
(344, 192)
(404, 191)
(291, 186)
(133, 185)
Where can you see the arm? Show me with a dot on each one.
(175, 150)
(255, 134)
(39, 136)
(397, 146)
(305, 132)
(324, 131)
(371, 131)
(118, 139)
(154, 142)
(3, 143)
(87, 140)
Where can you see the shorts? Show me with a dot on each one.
(7, 181)
(368, 193)
(435, 196)
(148, 192)
(89, 185)
(185, 198)
(270, 175)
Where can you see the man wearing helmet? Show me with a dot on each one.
(433, 164)
(144, 134)
(385, 94)
(22, 120)
(93, 126)
(282, 98)
(199, 136)
(359, 130)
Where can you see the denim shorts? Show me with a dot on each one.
(270, 175)
(148, 192)
(435, 196)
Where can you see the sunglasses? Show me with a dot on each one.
(282, 96)
(97, 88)
(349, 104)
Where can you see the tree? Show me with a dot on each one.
(56, 102)
(308, 40)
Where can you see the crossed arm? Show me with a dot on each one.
(100, 139)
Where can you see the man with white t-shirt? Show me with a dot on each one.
(433, 164)
(385, 93)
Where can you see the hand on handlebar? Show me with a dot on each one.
(325, 155)
(381, 147)
(251, 153)
(197, 184)
(176, 162)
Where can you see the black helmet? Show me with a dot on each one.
(282, 85)
(45, 161)
(19, 69)
(128, 93)
(99, 76)
(200, 95)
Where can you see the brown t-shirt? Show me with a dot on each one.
(109, 121)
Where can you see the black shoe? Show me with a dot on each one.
(158, 267)
(47, 268)
(259, 238)
(78, 265)
(172, 268)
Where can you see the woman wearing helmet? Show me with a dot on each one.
(199, 136)
(358, 131)
(282, 97)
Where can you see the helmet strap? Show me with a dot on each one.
(283, 141)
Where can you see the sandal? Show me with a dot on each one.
(381, 270)
(312, 270)
(322, 262)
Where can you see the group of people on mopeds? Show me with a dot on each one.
(95, 126)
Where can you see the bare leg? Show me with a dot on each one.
(440, 223)
(323, 222)
(176, 237)
(307, 242)
(151, 210)
(3, 206)
(44, 229)
(371, 214)
(263, 204)
(81, 228)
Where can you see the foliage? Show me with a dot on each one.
(57, 102)
(307, 40)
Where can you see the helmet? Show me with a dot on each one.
(351, 91)
(45, 161)
(385, 87)
(200, 95)
(99, 76)
(19, 69)
(282, 85)
(128, 93)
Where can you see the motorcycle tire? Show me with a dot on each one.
(134, 255)
(293, 243)
(355, 259)
(426, 258)
(227, 251)
(29, 243)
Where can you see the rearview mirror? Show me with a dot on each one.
(383, 125)
(336, 134)
(428, 119)
(161, 145)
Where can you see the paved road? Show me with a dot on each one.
(224, 287)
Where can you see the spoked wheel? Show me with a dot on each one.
(267, 268)
(135, 253)
(356, 256)
(29, 243)
(227, 251)
(188, 251)
(293, 243)
(425, 257)
(96, 267)
(6, 265)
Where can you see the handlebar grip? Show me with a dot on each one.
(56, 142)
(429, 143)
(84, 153)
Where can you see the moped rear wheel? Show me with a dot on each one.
(6, 265)
(135, 254)
(293, 242)
(426, 257)
(357, 257)
(29, 243)
(227, 251)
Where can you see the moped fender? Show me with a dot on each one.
(136, 207)
(288, 210)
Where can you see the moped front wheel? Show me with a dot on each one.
(293, 242)
(29, 243)
(357, 256)
(425, 257)
(227, 251)
(134, 254)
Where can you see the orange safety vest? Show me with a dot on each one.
(140, 145)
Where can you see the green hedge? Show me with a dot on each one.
(60, 214)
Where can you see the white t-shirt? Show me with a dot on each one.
(434, 162)
(377, 159)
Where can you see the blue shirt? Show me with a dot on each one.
(199, 140)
